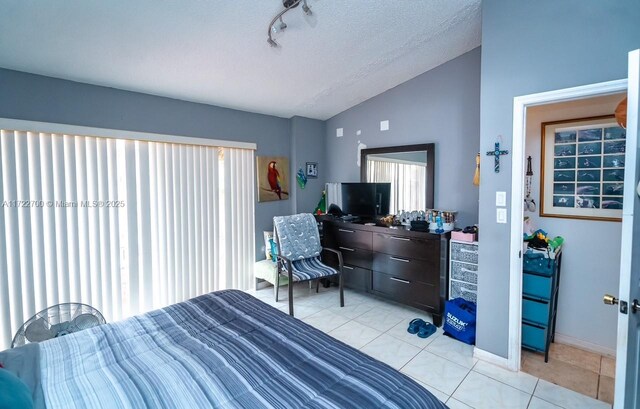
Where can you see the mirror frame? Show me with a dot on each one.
(430, 148)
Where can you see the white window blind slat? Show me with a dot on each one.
(186, 226)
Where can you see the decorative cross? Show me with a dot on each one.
(496, 154)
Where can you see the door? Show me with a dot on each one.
(627, 395)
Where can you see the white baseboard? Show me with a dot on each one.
(486, 356)
(587, 346)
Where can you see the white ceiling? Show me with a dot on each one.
(215, 51)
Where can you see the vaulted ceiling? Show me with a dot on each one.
(215, 51)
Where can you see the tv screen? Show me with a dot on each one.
(366, 199)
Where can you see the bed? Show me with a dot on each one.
(224, 349)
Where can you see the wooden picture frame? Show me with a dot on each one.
(582, 169)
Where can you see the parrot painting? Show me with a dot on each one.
(273, 177)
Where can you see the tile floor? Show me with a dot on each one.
(581, 371)
(440, 364)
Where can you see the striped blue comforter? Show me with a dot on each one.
(225, 349)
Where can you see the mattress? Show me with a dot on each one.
(225, 349)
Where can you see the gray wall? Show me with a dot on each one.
(307, 145)
(37, 98)
(591, 260)
(530, 47)
(439, 106)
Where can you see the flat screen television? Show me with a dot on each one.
(366, 200)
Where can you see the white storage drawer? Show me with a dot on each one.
(465, 290)
(464, 272)
(465, 252)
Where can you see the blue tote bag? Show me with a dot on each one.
(460, 320)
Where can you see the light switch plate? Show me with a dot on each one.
(339, 132)
(384, 125)
(501, 216)
(501, 198)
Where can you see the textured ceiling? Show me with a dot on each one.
(215, 51)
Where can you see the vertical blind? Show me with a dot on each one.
(123, 225)
(408, 182)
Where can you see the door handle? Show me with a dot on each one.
(624, 306)
(635, 306)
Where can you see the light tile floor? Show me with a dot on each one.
(440, 364)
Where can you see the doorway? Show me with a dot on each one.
(524, 107)
(579, 359)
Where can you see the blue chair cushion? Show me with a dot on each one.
(298, 236)
(311, 269)
(14, 394)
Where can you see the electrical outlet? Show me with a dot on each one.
(384, 125)
(339, 132)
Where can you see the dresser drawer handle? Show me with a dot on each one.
(348, 267)
(399, 238)
(404, 260)
(400, 280)
(468, 251)
(466, 270)
(346, 249)
(346, 231)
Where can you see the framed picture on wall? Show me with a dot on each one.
(312, 170)
(273, 178)
(583, 169)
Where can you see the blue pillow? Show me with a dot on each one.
(274, 250)
(14, 394)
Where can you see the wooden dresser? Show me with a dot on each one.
(406, 266)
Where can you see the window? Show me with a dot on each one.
(124, 225)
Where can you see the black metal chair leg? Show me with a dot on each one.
(277, 282)
(317, 285)
(291, 297)
(341, 292)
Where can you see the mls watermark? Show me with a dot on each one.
(21, 204)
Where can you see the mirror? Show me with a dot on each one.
(408, 168)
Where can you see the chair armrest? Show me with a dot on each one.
(284, 262)
(338, 252)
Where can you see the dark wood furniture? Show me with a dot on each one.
(406, 266)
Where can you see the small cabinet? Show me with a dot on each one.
(540, 289)
(463, 270)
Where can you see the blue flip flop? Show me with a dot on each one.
(426, 330)
(415, 325)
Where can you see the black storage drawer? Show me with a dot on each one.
(407, 247)
(356, 257)
(337, 236)
(407, 268)
(356, 278)
(407, 291)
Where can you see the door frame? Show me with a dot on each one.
(520, 105)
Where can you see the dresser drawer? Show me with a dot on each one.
(535, 311)
(424, 249)
(464, 290)
(356, 257)
(406, 291)
(407, 268)
(356, 277)
(464, 272)
(536, 286)
(348, 237)
(464, 252)
(534, 337)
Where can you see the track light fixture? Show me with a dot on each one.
(288, 5)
